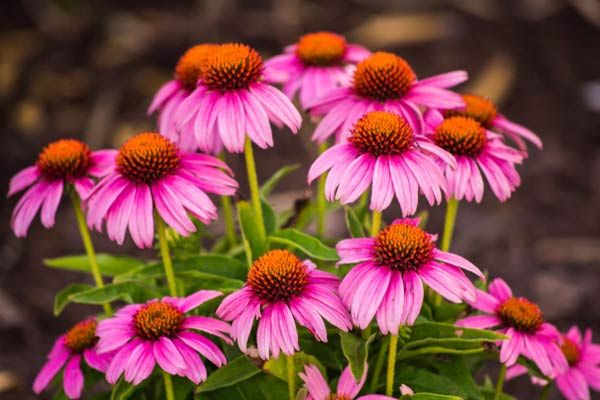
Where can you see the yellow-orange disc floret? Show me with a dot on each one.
(187, 70)
(461, 136)
(277, 276)
(232, 66)
(321, 49)
(521, 314)
(66, 158)
(403, 247)
(82, 336)
(158, 319)
(383, 76)
(147, 157)
(477, 107)
(382, 133)
(570, 350)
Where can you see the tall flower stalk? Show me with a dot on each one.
(254, 188)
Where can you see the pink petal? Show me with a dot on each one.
(73, 378)
(22, 179)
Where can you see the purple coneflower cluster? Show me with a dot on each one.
(396, 137)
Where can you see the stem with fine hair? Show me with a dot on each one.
(500, 382)
(89, 247)
(228, 216)
(169, 393)
(291, 375)
(391, 367)
(254, 188)
(166, 256)
(320, 202)
(376, 223)
(451, 211)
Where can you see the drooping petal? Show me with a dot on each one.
(73, 378)
(23, 179)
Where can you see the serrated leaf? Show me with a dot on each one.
(109, 264)
(250, 230)
(62, 298)
(274, 180)
(236, 371)
(309, 245)
(355, 227)
(450, 336)
(356, 351)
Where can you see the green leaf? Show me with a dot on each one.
(269, 216)
(278, 366)
(457, 370)
(309, 245)
(260, 386)
(122, 390)
(109, 264)
(250, 230)
(355, 227)
(431, 396)
(489, 393)
(449, 336)
(236, 371)
(422, 380)
(62, 298)
(217, 265)
(281, 173)
(356, 351)
(129, 292)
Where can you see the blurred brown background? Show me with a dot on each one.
(71, 68)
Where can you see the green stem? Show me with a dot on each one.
(389, 383)
(169, 393)
(378, 366)
(376, 223)
(166, 257)
(89, 247)
(291, 375)
(254, 188)
(500, 382)
(546, 392)
(451, 211)
(229, 224)
(320, 200)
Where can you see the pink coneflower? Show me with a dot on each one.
(347, 388)
(484, 111)
(151, 172)
(159, 332)
(168, 98)
(281, 290)
(314, 66)
(583, 372)
(230, 101)
(523, 323)
(388, 281)
(383, 152)
(476, 150)
(384, 81)
(69, 349)
(66, 161)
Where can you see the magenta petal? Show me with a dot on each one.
(196, 299)
(317, 386)
(53, 196)
(573, 385)
(73, 378)
(50, 369)
(22, 179)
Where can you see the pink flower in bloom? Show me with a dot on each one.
(69, 349)
(388, 281)
(476, 150)
(314, 66)
(347, 387)
(523, 323)
(384, 81)
(281, 290)
(174, 92)
(383, 152)
(151, 172)
(583, 372)
(230, 101)
(484, 111)
(159, 332)
(64, 161)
